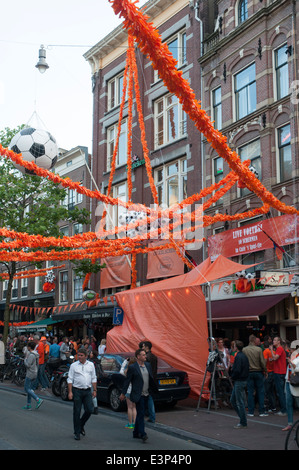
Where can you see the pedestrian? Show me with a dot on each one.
(279, 370)
(239, 376)
(131, 407)
(153, 360)
(255, 382)
(102, 347)
(82, 388)
(140, 376)
(31, 362)
(64, 350)
(2, 356)
(290, 391)
(269, 379)
(41, 375)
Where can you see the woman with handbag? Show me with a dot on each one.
(292, 382)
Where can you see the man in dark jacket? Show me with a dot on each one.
(239, 375)
(141, 378)
(153, 360)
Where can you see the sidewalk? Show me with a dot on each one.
(214, 428)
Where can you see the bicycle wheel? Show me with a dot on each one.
(292, 439)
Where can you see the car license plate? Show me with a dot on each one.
(167, 381)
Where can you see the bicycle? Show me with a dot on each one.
(292, 439)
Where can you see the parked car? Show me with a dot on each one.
(173, 384)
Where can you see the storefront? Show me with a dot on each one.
(93, 321)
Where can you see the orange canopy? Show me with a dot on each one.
(172, 315)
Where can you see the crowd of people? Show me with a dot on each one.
(139, 376)
(261, 376)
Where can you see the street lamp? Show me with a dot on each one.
(42, 65)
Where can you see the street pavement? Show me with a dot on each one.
(212, 429)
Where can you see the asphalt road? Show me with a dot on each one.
(51, 428)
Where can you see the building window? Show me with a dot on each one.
(217, 110)
(285, 153)
(170, 120)
(38, 285)
(281, 72)
(77, 228)
(77, 287)
(242, 11)
(113, 212)
(245, 92)
(171, 182)
(63, 284)
(177, 47)
(121, 157)
(257, 257)
(115, 90)
(64, 231)
(251, 151)
(5, 287)
(218, 171)
(24, 287)
(14, 292)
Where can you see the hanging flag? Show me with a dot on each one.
(277, 248)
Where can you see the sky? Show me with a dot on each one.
(60, 100)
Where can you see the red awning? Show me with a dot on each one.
(245, 308)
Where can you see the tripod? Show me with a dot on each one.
(212, 367)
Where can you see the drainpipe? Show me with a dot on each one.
(203, 167)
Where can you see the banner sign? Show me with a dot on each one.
(117, 272)
(163, 263)
(283, 230)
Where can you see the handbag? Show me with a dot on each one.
(294, 379)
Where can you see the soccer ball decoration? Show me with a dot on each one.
(49, 284)
(37, 146)
(242, 284)
(255, 173)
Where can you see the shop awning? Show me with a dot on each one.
(40, 325)
(244, 309)
(99, 313)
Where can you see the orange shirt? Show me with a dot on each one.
(41, 351)
(267, 355)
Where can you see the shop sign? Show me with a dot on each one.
(90, 316)
(274, 279)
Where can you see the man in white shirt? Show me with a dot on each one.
(82, 388)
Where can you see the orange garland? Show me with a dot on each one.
(88, 245)
(150, 43)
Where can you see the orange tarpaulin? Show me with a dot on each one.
(172, 315)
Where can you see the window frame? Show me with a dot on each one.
(77, 288)
(216, 106)
(163, 115)
(242, 192)
(279, 151)
(123, 132)
(63, 282)
(277, 68)
(117, 83)
(166, 177)
(182, 49)
(246, 87)
(242, 15)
